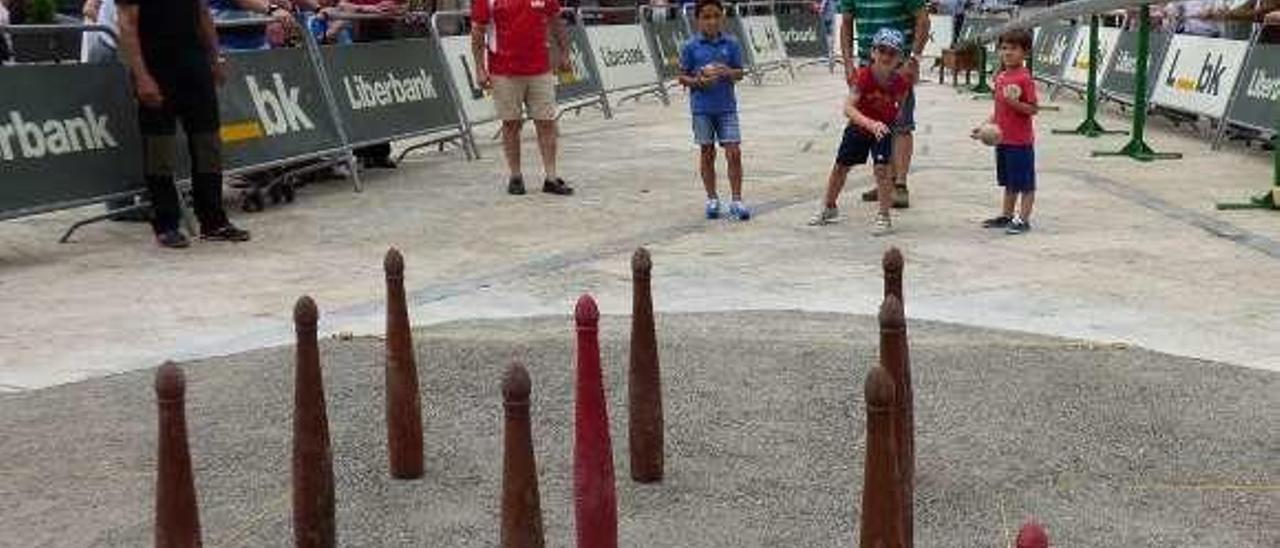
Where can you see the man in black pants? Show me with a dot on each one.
(172, 49)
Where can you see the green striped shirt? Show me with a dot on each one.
(870, 16)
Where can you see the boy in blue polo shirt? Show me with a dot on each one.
(710, 65)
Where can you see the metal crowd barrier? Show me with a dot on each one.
(761, 38)
(96, 129)
(626, 60)
(805, 35)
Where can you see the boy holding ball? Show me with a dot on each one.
(710, 66)
(1015, 104)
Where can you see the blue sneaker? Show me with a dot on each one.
(738, 211)
(713, 208)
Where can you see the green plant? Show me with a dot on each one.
(41, 12)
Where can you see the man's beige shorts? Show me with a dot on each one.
(511, 94)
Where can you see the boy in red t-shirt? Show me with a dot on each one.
(1015, 104)
(876, 92)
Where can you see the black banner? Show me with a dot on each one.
(68, 133)
(1257, 100)
(802, 35)
(273, 108)
(1118, 80)
(391, 89)
(1053, 45)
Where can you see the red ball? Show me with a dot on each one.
(1033, 535)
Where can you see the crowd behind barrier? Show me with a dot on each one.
(315, 93)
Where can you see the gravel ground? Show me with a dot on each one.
(1110, 446)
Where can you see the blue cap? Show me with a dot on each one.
(889, 38)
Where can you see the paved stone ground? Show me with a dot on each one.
(1112, 447)
(1122, 252)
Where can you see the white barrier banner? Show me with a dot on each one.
(1199, 74)
(941, 33)
(764, 38)
(1077, 69)
(622, 53)
(476, 103)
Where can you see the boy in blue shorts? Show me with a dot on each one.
(1015, 105)
(710, 65)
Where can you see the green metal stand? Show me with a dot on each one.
(1271, 198)
(981, 88)
(1090, 126)
(1137, 147)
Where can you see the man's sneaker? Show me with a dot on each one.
(901, 197)
(872, 195)
(557, 186)
(515, 186)
(225, 233)
(883, 226)
(1018, 226)
(825, 216)
(997, 222)
(172, 239)
(713, 208)
(739, 212)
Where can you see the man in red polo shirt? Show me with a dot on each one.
(509, 42)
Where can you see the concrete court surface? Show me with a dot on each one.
(1122, 251)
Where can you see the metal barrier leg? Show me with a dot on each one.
(1090, 126)
(66, 236)
(1137, 147)
(981, 88)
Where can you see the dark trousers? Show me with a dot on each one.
(186, 80)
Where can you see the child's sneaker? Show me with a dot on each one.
(1001, 221)
(738, 211)
(825, 216)
(713, 208)
(884, 225)
(1018, 226)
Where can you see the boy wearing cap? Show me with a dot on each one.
(876, 92)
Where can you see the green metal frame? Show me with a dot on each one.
(981, 88)
(1090, 126)
(1137, 147)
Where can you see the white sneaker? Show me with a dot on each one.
(825, 216)
(883, 226)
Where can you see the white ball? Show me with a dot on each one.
(989, 134)
(1012, 91)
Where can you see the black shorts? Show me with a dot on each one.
(857, 145)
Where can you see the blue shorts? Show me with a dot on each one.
(709, 129)
(1016, 167)
(857, 145)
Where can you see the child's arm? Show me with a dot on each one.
(689, 77)
(874, 127)
(1029, 109)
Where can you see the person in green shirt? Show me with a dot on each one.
(912, 19)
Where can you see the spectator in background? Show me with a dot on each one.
(248, 38)
(5, 48)
(378, 155)
(325, 28)
(513, 58)
(171, 49)
(1194, 17)
(98, 47)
